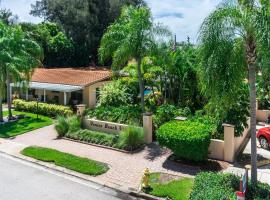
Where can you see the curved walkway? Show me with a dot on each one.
(125, 169)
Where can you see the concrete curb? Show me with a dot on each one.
(65, 171)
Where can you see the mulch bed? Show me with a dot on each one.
(208, 165)
(245, 159)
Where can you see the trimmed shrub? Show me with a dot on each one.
(212, 186)
(67, 124)
(45, 109)
(131, 138)
(122, 114)
(187, 139)
(93, 137)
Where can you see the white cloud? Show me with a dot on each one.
(21, 8)
(192, 11)
(183, 17)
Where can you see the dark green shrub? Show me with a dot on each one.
(212, 186)
(131, 138)
(259, 192)
(122, 114)
(93, 137)
(67, 124)
(187, 139)
(168, 112)
(45, 109)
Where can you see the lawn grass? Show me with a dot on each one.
(27, 124)
(174, 189)
(69, 161)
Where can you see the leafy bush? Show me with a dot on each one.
(212, 186)
(167, 112)
(187, 139)
(114, 94)
(131, 138)
(67, 124)
(93, 137)
(61, 126)
(122, 114)
(132, 85)
(45, 109)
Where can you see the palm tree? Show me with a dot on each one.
(131, 36)
(19, 56)
(234, 39)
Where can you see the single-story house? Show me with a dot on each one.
(66, 86)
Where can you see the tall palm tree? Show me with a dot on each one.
(131, 36)
(19, 56)
(234, 39)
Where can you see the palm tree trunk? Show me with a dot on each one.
(9, 97)
(1, 110)
(252, 81)
(139, 61)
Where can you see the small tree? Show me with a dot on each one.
(131, 36)
(234, 38)
(18, 57)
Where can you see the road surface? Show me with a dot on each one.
(21, 180)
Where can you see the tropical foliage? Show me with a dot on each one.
(234, 44)
(19, 56)
(131, 36)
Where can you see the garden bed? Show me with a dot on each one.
(66, 160)
(207, 165)
(107, 147)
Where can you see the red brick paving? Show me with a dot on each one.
(125, 169)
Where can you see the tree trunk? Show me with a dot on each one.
(1, 110)
(251, 60)
(9, 97)
(139, 61)
(252, 81)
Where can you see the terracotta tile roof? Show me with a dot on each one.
(70, 76)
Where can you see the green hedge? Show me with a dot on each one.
(50, 110)
(122, 114)
(187, 139)
(212, 186)
(93, 137)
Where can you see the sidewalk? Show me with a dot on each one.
(263, 172)
(125, 169)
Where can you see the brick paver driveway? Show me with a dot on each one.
(125, 169)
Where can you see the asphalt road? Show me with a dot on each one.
(20, 180)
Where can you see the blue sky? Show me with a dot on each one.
(183, 17)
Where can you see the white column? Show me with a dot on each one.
(26, 94)
(65, 98)
(44, 94)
